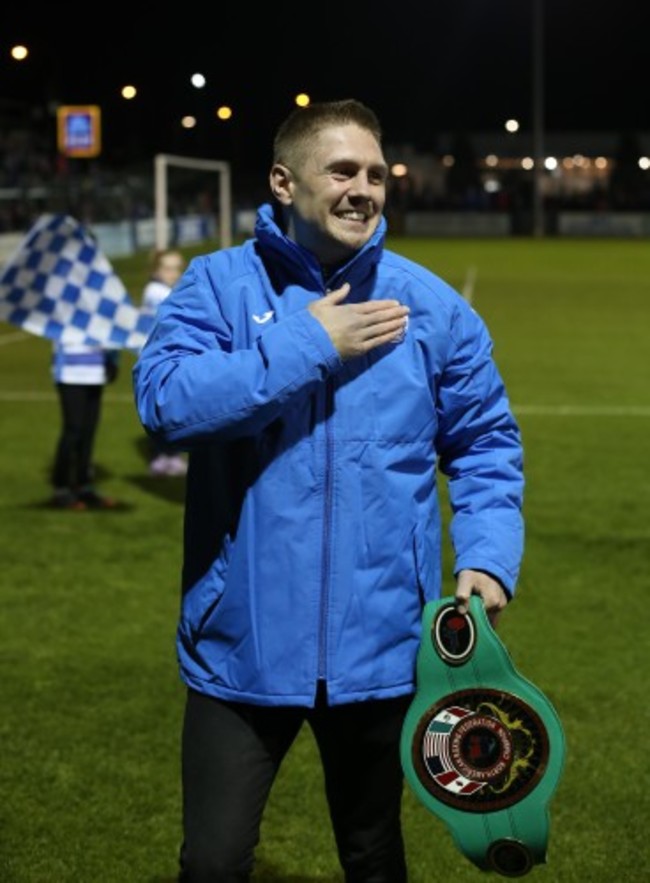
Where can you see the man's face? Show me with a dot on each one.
(337, 196)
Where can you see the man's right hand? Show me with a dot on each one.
(357, 328)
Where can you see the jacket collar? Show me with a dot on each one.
(296, 265)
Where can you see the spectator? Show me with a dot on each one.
(167, 267)
(80, 373)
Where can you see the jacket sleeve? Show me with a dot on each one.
(191, 382)
(480, 451)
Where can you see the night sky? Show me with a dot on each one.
(426, 67)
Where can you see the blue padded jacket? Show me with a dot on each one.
(312, 534)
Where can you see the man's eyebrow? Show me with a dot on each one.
(349, 161)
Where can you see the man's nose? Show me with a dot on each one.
(360, 185)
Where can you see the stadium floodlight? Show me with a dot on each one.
(162, 161)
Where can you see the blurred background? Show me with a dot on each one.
(513, 117)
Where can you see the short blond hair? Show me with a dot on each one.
(296, 133)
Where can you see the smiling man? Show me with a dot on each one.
(331, 183)
(320, 383)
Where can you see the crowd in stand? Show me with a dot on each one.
(35, 179)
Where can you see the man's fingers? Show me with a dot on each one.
(462, 604)
(490, 590)
(357, 328)
(375, 341)
(464, 590)
(494, 616)
(377, 306)
(339, 294)
(388, 328)
(381, 321)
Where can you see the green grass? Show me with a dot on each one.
(89, 691)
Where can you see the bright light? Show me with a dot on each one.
(188, 122)
(644, 163)
(492, 160)
(19, 53)
(302, 99)
(550, 163)
(224, 112)
(197, 80)
(512, 125)
(129, 92)
(601, 162)
(448, 160)
(399, 170)
(528, 163)
(491, 185)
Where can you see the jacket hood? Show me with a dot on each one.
(300, 265)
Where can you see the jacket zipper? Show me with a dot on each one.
(327, 531)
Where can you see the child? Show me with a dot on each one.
(167, 267)
(80, 373)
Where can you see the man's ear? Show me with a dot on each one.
(281, 180)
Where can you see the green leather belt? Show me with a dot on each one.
(482, 747)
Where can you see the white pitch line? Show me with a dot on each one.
(532, 410)
(14, 337)
(468, 287)
(584, 410)
(42, 396)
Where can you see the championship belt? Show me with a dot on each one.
(482, 747)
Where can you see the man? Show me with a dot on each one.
(319, 381)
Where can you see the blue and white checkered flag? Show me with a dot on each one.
(59, 285)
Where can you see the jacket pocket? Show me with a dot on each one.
(201, 600)
(426, 554)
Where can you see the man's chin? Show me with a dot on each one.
(353, 240)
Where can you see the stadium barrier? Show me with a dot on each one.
(617, 224)
(457, 224)
(123, 238)
(494, 224)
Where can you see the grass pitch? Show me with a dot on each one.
(90, 697)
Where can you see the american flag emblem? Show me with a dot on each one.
(436, 754)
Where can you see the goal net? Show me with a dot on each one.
(162, 164)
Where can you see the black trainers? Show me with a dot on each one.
(66, 499)
(90, 499)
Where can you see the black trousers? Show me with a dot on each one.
(231, 754)
(80, 411)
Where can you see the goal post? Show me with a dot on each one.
(162, 162)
